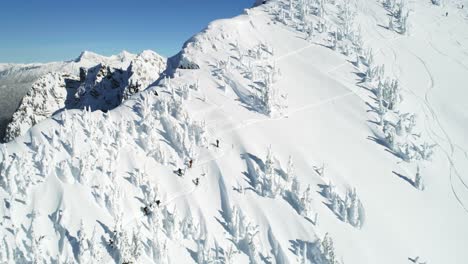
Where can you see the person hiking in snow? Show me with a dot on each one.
(217, 143)
(446, 14)
(190, 164)
(179, 171)
(158, 202)
(146, 211)
(156, 93)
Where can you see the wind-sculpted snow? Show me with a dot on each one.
(283, 135)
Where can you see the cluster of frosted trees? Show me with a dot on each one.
(296, 13)
(95, 165)
(261, 70)
(348, 209)
(20, 172)
(310, 17)
(256, 64)
(399, 14)
(398, 127)
(321, 251)
(268, 182)
(244, 233)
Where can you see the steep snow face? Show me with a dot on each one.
(102, 87)
(285, 135)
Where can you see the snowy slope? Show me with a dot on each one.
(318, 143)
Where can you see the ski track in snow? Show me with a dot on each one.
(426, 102)
(448, 154)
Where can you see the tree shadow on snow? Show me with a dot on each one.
(403, 177)
(328, 203)
(361, 77)
(381, 141)
(73, 243)
(105, 242)
(251, 173)
(312, 249)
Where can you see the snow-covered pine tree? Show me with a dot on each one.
(83, 245)
(328, 250)
(354, 209)
(306, 202)
(290, 175)
(418, 181)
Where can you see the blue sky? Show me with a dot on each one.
(51, 30)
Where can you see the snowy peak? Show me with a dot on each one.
(121, 60)
(125, 55)
(87, 55)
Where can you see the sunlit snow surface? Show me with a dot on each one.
(100, 170)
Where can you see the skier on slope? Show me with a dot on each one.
(196, 181)
(217, 143)
(179, 172)
(146, 211)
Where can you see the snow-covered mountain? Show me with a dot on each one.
(103, 86)
(298, 132)
(17, 79)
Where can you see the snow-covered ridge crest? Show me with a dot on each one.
(117, 61)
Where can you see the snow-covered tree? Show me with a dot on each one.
(349, 209)
(418, 181)
(426, 150)
(189, 228)
(95, 248)
(271, 182)
(171, 224)
(290, 174)
(328, 250)
(355, 211)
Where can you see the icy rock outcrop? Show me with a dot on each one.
(17, 79)
(47, 95)
(101, 87)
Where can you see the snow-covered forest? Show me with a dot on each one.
(301, 131)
